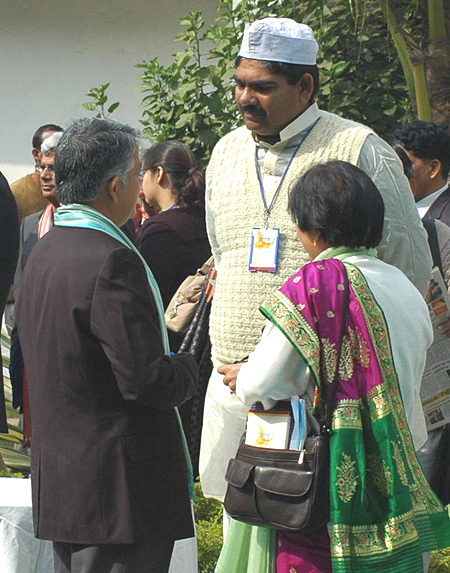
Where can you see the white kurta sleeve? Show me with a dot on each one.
(274, 371)
(210, 219)
(404, 242)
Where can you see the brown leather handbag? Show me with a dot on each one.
(286, 489)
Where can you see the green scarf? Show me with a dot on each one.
(343, 253)
(84, 217)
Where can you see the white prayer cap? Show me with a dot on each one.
(279, 40)
(50, 142)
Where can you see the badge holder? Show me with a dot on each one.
(264, 249)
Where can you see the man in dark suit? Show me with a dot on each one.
(428, 147)
(109, 476)
(9, 251)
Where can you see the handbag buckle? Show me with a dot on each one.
(174, 310)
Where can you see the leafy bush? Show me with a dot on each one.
(191, 99)
(440, 561)
(208, 517)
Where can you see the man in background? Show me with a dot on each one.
(27, 190)
(428, 147)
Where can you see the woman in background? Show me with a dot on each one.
(174, 242)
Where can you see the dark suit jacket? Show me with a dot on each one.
(107, 459)
(28, 238)
(9, 250)
(440, 209)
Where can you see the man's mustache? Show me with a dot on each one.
(252, 109)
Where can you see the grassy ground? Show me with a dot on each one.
(13, 455)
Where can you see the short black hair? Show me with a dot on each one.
(426, 140)
(292, 72)
(406, 161)
(341, 202)
(37, 137)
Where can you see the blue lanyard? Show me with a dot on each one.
(268, 209)
(172, 206)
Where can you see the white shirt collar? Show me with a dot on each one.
(300, 123)
(424, 204)
(297, 126)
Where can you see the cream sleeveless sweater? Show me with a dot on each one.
(236, 205)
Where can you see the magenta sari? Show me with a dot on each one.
(383, 513)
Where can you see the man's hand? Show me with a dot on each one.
(230, 372)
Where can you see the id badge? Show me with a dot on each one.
(264, 249)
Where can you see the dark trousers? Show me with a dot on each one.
(149, 557)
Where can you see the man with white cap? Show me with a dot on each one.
(248, 180)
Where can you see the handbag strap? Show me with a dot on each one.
(328, 399)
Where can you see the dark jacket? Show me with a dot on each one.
(107, 458)
(440, 209)
(174, 244)
(9, 251)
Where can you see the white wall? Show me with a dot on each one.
(53, 52)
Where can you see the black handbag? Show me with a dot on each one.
(286, 489)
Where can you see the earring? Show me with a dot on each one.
(315, 242)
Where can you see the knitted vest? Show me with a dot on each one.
(235, 203)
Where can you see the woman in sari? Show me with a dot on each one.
(383, 514)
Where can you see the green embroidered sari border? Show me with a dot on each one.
(378, 331)
(290, 320)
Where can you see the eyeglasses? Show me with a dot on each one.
(42, 168)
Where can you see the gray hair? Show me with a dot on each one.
(50, 143)
(90, 153)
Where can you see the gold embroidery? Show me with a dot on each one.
(296, 279)
(328, 359)
(340, 286)
(346, 361)
(376, 324)
(313, 290)
(347, 478)
(400, 464)
(360, 349)
(377, 539)
(346, 415)
(330, 314)
(296, 328)
(378, 401)
(380, 474)
(320, 267)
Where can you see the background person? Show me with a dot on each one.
(173, 242)
(248, 179)
(437, 231)
(378, 420)
(9, 251)
(434, 454)
(27, 190)
(109, 473)
(428, 147)
(33, 227)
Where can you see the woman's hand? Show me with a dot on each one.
(230, 372)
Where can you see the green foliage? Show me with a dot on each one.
(208, 516)
(7, 474)
(440, 561)
(191, 99)
(100, 101)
